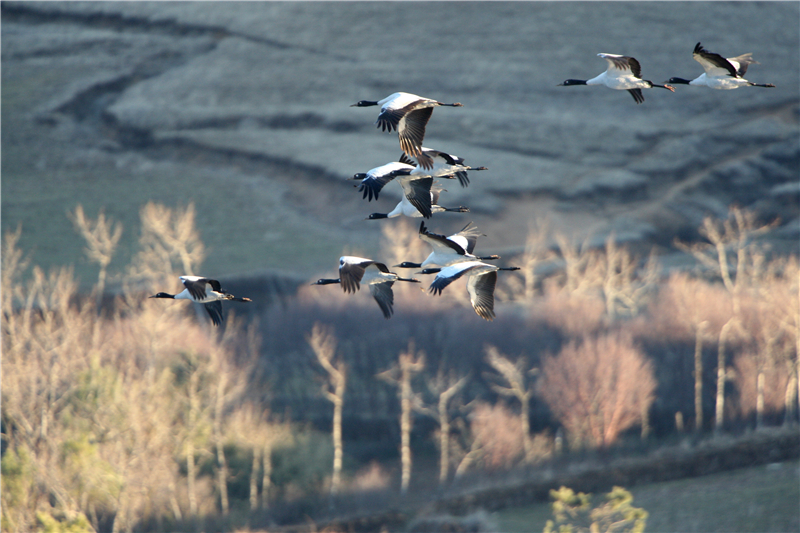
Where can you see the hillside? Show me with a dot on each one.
(243, 109)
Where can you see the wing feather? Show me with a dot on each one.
(418, 193)
(411, 130)
(439, 242)
(714, 64)
(197, 286)
(481, 294)
(214, 310)
(351, 274)
(383, 294)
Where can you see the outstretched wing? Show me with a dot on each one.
(714, 64)
(411, 130)
(467, 237)
(637, 95)
(418, 193)
(196, 286)
(383, 294)
(481, 294)
(351, 270)
(447, 276)
(377, 178)
(619, 66)
(438, 242)
(214, 310)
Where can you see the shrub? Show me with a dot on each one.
(499, 434)
(573, 513)
(599, 387)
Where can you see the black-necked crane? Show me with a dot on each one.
(416, 189)
(624, 73)
(406, 208)
(439, 165)
(408, 114)
(481, 281)
(356, 270)
(721, 73)
(449, 250)
(204, 291)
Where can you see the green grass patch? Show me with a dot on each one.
(757, 499)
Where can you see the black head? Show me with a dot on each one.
(163, 295)
(364, 103)
(572, 82)
(326, 281)
(408, 264)
(430, 271)
(678, 81)
(359, 176)
(376, 216)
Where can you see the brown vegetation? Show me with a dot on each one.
(139, 414)
(598, 387)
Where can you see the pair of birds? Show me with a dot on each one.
(454, 258)
(625, 73)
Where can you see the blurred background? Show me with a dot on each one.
(227, 127)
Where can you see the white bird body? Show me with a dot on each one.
(714, 82)
(619, 74)
(203, 291)
(200, 290)
(456, 248)
(721, 73)
(623, 74)
(356, 270)
(406, 113)
(481, 281)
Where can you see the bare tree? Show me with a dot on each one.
(102, 237)
(624, 287)
(251, 426)
(729, 249)
(517, 385)
(445, 386)
(700, 308)
(498, 434)
(612, 273)
(169, 243)
(599, 387)
(731, 253)
(784, 297)
(536, 252)
(408, 364)
(582, 266)
(323, 343)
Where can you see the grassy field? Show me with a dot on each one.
(758, 499)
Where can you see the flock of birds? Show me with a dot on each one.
(415, 171)
(625, 73)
